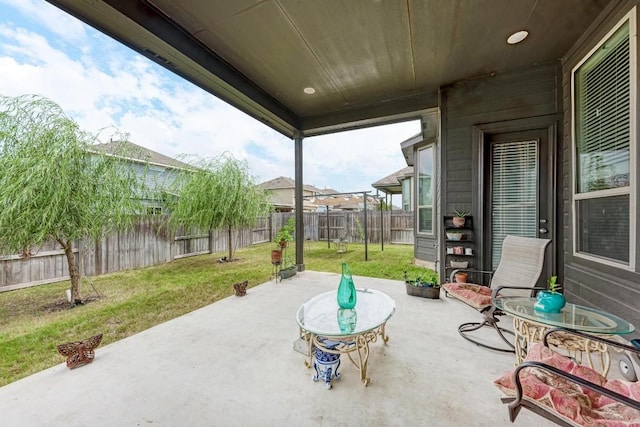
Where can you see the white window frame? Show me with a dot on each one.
(433, 191)
(631, 189)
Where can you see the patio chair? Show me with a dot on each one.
(517, 274)
(554, 386)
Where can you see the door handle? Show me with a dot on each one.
(543, 230)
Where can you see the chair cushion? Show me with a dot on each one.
(570, 401)
(477, 296)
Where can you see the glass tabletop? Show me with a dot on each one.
(572, 316)
(321, 315)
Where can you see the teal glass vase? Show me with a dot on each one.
(346, 289)
(549, 302)
(347, 320)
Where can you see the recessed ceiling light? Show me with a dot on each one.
(517, 37)
(309, 90)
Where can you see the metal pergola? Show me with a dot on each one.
(364, 194)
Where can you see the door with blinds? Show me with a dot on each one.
(518, 189)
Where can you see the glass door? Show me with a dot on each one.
(517, 202)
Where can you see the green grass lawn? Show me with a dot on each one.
(34, 320)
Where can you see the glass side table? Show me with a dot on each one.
(530, 325)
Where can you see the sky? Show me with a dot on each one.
(108, 89)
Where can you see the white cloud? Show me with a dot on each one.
(361, 156)
(55, 20)
(108, 85)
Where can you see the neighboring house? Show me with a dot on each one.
(343, 202)
(282, 194)
(282, 197)
(399, 182)
(161, 170)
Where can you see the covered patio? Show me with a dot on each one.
(312, 68)
(232, 363)
(492, 82)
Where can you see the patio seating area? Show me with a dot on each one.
(232, 363)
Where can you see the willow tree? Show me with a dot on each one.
(53, 186)
(218, 193)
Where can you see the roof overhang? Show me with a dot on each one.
(368, 63)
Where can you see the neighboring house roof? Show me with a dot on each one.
(138, 153)
(282, 194)
(344, 202)
(392, 184)
(329, 191)
(161, 171)
(278, 183)
(283, 183)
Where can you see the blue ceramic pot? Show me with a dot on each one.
(550, 302)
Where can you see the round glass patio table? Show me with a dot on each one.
(324, 325)
(530, 325)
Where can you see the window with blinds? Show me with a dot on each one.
(514, 167)
(425, 190)
(602, 146)
(602, 91)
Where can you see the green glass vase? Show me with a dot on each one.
(346, 289)
(347, 320)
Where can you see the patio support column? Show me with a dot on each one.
(299, 213)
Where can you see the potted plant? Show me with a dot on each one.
(282, 239)
(276, 256)
(551, 300)
(459, 218)
(285, 234)
(461, 276)
(288, 268)
(422, 286)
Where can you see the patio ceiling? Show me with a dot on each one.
(369, 61)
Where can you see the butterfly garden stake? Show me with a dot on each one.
(80, 353)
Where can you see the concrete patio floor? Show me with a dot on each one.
(232, 364)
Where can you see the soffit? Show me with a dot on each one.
(368, 60)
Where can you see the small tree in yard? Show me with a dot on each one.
(218, 193)
(53, 186)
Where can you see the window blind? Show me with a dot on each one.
(514, 168)
(602, 90)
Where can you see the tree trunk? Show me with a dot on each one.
(230, 246)
(74, 272)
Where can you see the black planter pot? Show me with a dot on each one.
(422, 291)
(285, 273)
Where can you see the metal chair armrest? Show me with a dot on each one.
(589, 337)
(577, 380)
(534, 290)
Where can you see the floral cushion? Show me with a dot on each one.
(477, 296)
(572, 402)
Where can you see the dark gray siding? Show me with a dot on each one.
(589, 283)
(425, 248)
(523, 97)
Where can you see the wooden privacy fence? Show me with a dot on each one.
(397, 226)
(149, 243)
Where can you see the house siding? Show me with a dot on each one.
(586, 282)
(425, 248)
(524, 96)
